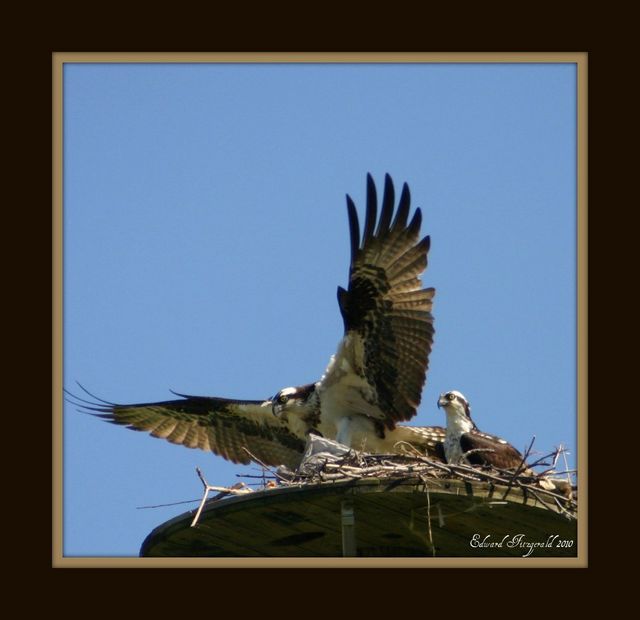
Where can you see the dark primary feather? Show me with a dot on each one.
(385, 303)
(223, 426)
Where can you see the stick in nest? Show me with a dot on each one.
(259, 462)
(426, 486)
(237, 489)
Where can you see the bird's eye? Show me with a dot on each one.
(283, 398)
(451, 396)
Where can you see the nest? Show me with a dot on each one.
(326, 462)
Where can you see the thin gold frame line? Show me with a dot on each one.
(580, 59)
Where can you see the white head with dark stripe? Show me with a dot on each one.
(291, 399)
(458, 411)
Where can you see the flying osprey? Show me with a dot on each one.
(465, 443)
(372, 383)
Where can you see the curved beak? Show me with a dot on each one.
(271, 403)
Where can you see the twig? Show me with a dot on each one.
(522, 467)
(554, 455)
(426, 486)
(186, 501)
(474, 451)
(568, 514)
(251, 476)
(204, 496)
(535, 493)
(257, 460)
(408, 447)
(548, 492)
(236, 489)
(566, 466)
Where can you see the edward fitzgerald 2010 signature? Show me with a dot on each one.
(518, 541)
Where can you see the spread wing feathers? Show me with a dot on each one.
(490, 450)
(223, 426)
(385, 304)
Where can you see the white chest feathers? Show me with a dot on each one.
(457, 425)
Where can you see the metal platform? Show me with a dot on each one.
(371, 518)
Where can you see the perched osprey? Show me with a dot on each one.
(372, 383)
(465, 443)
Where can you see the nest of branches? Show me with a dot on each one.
(557, 493)
(332, 463)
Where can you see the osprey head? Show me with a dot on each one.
(455, 403)
(289, 398)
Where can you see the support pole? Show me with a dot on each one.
(348, 528)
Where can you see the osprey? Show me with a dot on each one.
(372, 383)
(465, 443)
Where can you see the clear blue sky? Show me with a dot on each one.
(205, 233)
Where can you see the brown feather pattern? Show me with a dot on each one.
(385, 302)
(223, 426)
(494, 451)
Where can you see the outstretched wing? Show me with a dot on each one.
(387, 314)
(224, 426)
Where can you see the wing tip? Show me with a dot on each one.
(388, 221)
(371, 214)
(354, 228)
